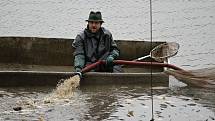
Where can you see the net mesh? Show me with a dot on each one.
(197, 78)
(163, 51)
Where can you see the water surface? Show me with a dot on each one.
(122, 102)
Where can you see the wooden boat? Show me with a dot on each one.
(45, 61)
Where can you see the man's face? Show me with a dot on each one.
(94, 26)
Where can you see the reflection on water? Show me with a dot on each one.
(112, 102)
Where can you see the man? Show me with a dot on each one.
(95, 43)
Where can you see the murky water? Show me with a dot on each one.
(191, 23)
(111, 103)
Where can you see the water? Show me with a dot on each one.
(191, 23)
(65, 88)
(111, 103)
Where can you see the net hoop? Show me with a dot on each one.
(164, 51)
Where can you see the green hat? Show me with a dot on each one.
(95, 16)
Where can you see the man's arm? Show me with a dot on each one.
(114, 52)
(79, 56)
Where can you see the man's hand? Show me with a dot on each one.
(109, 61)
(78, 72)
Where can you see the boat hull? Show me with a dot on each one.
(42, 78)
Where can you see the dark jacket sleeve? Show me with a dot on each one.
(79, 57)
(114, 49)
(78, 44)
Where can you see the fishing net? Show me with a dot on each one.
(164, 51)
(203, 78)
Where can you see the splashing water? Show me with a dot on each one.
(64, 90)
(63, 93)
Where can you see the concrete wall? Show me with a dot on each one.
(58, 51)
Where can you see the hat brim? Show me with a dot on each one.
(95, 20)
